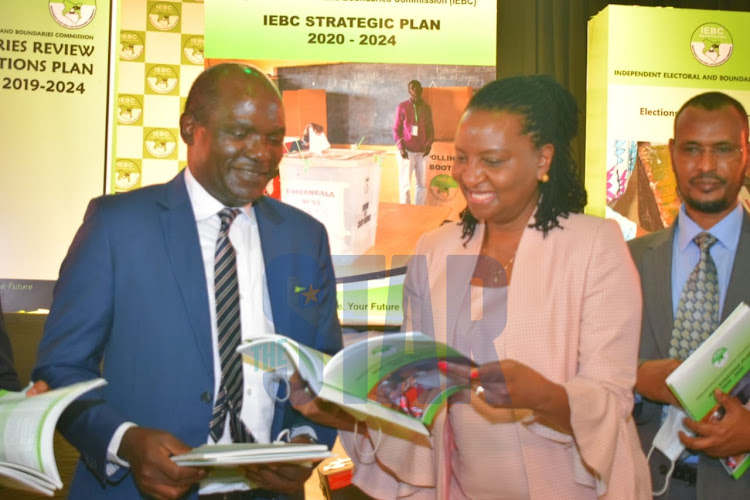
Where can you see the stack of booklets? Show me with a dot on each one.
(229, 455)
(27, 429)
(721, 362)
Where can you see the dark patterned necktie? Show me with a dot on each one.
(698, 309)
(229, 398)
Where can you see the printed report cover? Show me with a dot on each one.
(723, 362)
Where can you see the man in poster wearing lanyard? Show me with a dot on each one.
(413, 133)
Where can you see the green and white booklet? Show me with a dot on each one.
(228, 455)
(27, 429)
(400, 378)
(723, 362)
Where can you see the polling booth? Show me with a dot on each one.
(638, 79)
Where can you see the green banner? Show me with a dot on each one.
(678, 48)
(398, 31)
(644, 63)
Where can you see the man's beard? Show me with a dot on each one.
(708, 207)
(713, 206)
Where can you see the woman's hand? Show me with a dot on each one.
(39, 387)
(512, 384)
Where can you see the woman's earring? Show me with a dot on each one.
(545, 178)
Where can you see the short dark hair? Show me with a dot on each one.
(711, 101)
(204, 93)
(414, 82)
(550, 116)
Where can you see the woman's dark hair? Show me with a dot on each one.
(550, 116)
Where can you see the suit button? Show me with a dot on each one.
(206, 397)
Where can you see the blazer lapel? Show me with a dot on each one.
(183, 249)
(459, 263)
(737, 291)
(269, 220)
(657, 267)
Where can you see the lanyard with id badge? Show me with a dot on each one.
(415, 127)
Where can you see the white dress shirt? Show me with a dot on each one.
(255, 311)
(256, 319)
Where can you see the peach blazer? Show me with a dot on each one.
(574, 315)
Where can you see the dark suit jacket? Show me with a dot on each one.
(131, 297)
(653, 258)
(8, 376)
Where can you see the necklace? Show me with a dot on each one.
(496, 274)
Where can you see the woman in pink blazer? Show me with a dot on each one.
(545, 299)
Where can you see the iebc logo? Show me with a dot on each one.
(72, 14)
(711, 44)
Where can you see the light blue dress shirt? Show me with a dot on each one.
(686, 254)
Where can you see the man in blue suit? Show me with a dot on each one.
(8, 376)
(134, 303)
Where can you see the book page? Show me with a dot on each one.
(397, 371)
(27, 427)
(284, 355)
(12, 478)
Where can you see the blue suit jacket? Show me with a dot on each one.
(131, 299)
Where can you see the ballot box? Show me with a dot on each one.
(340, 188)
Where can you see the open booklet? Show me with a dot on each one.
(723, 362)
(399, 377)
(27, 429)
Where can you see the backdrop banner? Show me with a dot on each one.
(426, 32)
(638, 78)
(54, 81)
(344, 66)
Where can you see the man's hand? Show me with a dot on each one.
(39, 387)
(403, 153)
(155, 474)
(280, 477)
(651, 379)
(729, 436)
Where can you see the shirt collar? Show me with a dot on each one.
(205, 205)
(727, 230)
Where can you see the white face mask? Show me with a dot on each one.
(668, 441)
